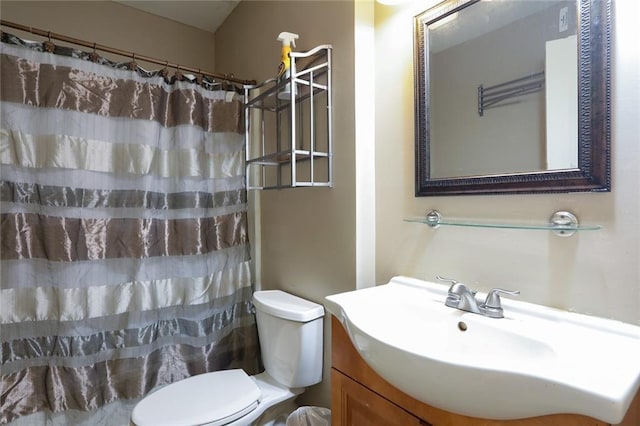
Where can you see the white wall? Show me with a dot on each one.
(561, 91)
(306, 239)
(593, 272)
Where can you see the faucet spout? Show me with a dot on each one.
(460, 297)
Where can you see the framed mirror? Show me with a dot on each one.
(512, 96)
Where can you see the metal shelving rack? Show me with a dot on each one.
(288, 133)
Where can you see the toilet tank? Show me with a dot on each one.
(291, 339)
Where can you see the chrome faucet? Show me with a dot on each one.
(460, 297)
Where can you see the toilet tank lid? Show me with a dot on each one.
(287, 306)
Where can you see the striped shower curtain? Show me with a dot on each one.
(124, 249)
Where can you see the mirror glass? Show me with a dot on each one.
(512, 96)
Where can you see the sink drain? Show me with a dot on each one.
(462, 326)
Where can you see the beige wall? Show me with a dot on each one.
(305, 237)
(593, 272)
(309, 234)
(117, 26)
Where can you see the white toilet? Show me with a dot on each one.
(290, 333)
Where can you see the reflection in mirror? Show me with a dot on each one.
(488, 70)
(511, 96)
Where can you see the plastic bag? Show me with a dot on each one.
(310, 416)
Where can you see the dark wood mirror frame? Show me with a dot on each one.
(594, 114)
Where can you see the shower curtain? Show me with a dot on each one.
(124, 249)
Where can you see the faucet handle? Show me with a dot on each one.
(492, 305)
(493, 297)
(456, 287)
(447, 280)
(451, 294)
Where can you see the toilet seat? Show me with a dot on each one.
(213, 399)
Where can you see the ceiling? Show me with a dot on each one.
(482, 18)
(206, 15)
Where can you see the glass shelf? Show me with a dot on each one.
(561, 223)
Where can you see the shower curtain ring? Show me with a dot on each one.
(165, 71)
(133, 65)
(178, 74)
(94, 55)
(48, 45)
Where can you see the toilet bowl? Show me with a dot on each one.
(290, 334)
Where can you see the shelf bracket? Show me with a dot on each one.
(563, 223)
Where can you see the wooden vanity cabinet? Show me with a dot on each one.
(360, 397)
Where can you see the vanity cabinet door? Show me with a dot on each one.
(355, 405)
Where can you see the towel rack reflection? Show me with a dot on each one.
(492, 96)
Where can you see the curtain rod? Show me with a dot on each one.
(133, 55)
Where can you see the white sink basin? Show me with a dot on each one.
(535, 361)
